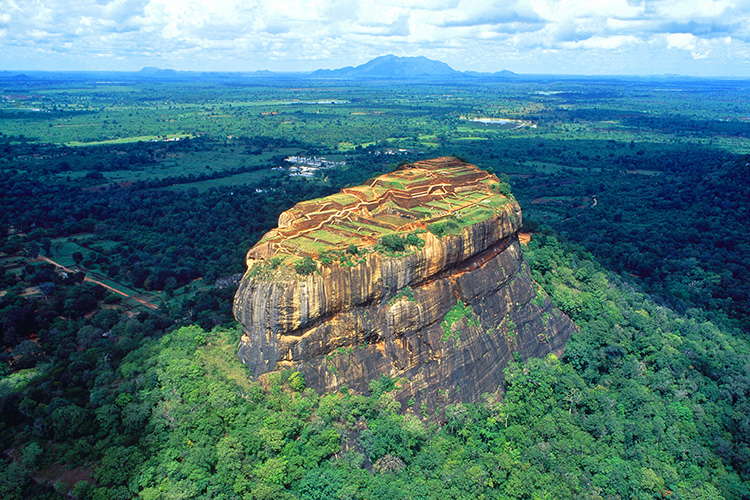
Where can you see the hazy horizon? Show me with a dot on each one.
(302, 73)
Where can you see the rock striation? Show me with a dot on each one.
(417, 275)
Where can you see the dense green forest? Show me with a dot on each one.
(128, 385)
(646, 403)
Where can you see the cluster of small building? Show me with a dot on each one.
(167, 139)
(303, 166)
(392, 151)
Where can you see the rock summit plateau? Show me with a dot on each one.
(417, 275)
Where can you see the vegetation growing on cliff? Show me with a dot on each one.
(305, 266)
(349, 257)
(457, 313)
(395, 243)
(439, 229)
(405, 293)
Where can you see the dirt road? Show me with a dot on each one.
(91, 280)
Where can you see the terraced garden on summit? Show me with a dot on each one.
(403, 201)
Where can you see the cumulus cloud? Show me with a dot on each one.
(306, 34)
(698, 48)
(602, 42)
(480, 13)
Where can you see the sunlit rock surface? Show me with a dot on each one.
(443, 315)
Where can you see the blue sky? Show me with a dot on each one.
(625, 37)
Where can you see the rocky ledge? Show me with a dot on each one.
(417, 275)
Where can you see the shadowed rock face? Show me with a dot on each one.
(443, 316)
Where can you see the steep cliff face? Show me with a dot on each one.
(441, 310)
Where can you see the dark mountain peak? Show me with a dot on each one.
(153, 71)
(391, 66)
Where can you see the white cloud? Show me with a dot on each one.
(698, 48)
(567, 10)
(684, 41)
(423, 4)
(306, 34)
(484, 12)
(607, 43)
(693, 9)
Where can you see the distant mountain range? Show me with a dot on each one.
(383, 67)
(386, 67)
(391, 66)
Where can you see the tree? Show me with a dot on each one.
(393, 242)
(33, 250)
(305, 266)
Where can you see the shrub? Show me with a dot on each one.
(414, 240)
(297, 381)
(393, 242)
(396, 243)
(274, 262)
(406, 293)
(438, 229)
(326, 259)
(504, 188)
(305, 266)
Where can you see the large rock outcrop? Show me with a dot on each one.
(418, 275)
